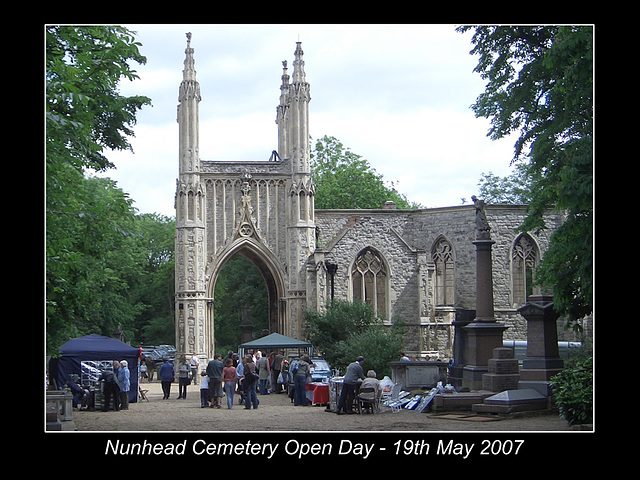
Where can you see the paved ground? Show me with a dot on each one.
(277, 413)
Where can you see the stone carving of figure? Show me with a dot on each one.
(482, 226)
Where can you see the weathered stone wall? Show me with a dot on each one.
(405, 239)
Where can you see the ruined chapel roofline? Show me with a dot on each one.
(468, 206)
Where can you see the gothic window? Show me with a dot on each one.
(369, 280)
(524, 260)
(442, 254)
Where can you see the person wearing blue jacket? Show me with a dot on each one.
(166, 374)
(124, 382)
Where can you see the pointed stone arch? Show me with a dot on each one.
(269, 268)
(369, 274)
(525, 257)
(443, 257)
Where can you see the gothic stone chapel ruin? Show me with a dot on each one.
(417, 265)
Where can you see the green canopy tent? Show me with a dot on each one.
(276, 340)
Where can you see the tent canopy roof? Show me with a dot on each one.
(276, 340)
(97, 347)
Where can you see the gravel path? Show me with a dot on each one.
(277, 413)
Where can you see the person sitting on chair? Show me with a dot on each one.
(370, 382)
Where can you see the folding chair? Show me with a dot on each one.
(368, 402)
(143, 393)
(393, 401)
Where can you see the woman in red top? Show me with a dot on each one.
(229, 379)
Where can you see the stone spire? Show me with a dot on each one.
(283, 114)
(188, 113)
(190, 242)
(299, 125)
(299, 76)
(189, 72)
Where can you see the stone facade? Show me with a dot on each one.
(415, 265)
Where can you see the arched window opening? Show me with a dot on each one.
(524, 260)
(369, 280)
(442, 254)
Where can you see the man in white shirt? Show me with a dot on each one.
(194, 368)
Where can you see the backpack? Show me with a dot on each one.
(250, 376)
(294, 366)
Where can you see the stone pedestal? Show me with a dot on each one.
(482, 338)
(463, 318)
(542, 360)
(503, 371)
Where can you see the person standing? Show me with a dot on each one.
(143, 371)
(300, 381)
(166, 373)
(214, 371)
(240, 377)
(277, 369)
(263, 372)
(184, 370)
(249, 384)
(194, 368)
(229, 379)
(124, 382)
(110, 389)
(204, 390)
(349, 383)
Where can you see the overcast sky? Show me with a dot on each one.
(397, 95)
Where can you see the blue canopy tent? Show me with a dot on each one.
(94, 348)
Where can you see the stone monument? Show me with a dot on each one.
(484, 334)
(542, 360)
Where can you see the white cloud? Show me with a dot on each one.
(398, 95)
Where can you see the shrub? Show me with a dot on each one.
(573, 391)
(345, 330)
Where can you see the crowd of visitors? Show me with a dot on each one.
(254, 374)
(247, 376)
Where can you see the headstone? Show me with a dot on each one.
(503, 371)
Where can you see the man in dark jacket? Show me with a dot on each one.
(350, 381)
(166, 374)
(214, 372)
(110, 389)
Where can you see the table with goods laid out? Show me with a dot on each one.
(317, 393)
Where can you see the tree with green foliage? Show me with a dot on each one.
(155, 286)
(540, 84)
(89, 221)
(345, 330)
(344, 179)
(84, 111)
(514, 189)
